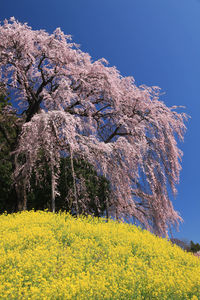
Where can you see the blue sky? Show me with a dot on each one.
(158, 43)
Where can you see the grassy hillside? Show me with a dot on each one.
(55, 256)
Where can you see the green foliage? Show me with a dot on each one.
(194, 247)
(95, 187)
(186, 245)
(8, 135)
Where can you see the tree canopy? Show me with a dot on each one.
(72, 106)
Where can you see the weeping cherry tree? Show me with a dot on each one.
(73, 106)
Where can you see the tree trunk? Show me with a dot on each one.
(117, 214)
(74, 183)
(21, 196)
(53, 205)
(107, 213)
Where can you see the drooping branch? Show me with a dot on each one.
(123, 130)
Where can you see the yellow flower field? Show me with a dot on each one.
(55, 256)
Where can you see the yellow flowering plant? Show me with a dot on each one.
(44, 255)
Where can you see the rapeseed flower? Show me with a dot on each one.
(55, 256)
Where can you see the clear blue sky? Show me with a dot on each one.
(155, 41)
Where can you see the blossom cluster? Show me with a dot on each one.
(56, 256)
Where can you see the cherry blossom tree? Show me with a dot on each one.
(84, 109)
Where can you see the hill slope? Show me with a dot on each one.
(55, 256)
